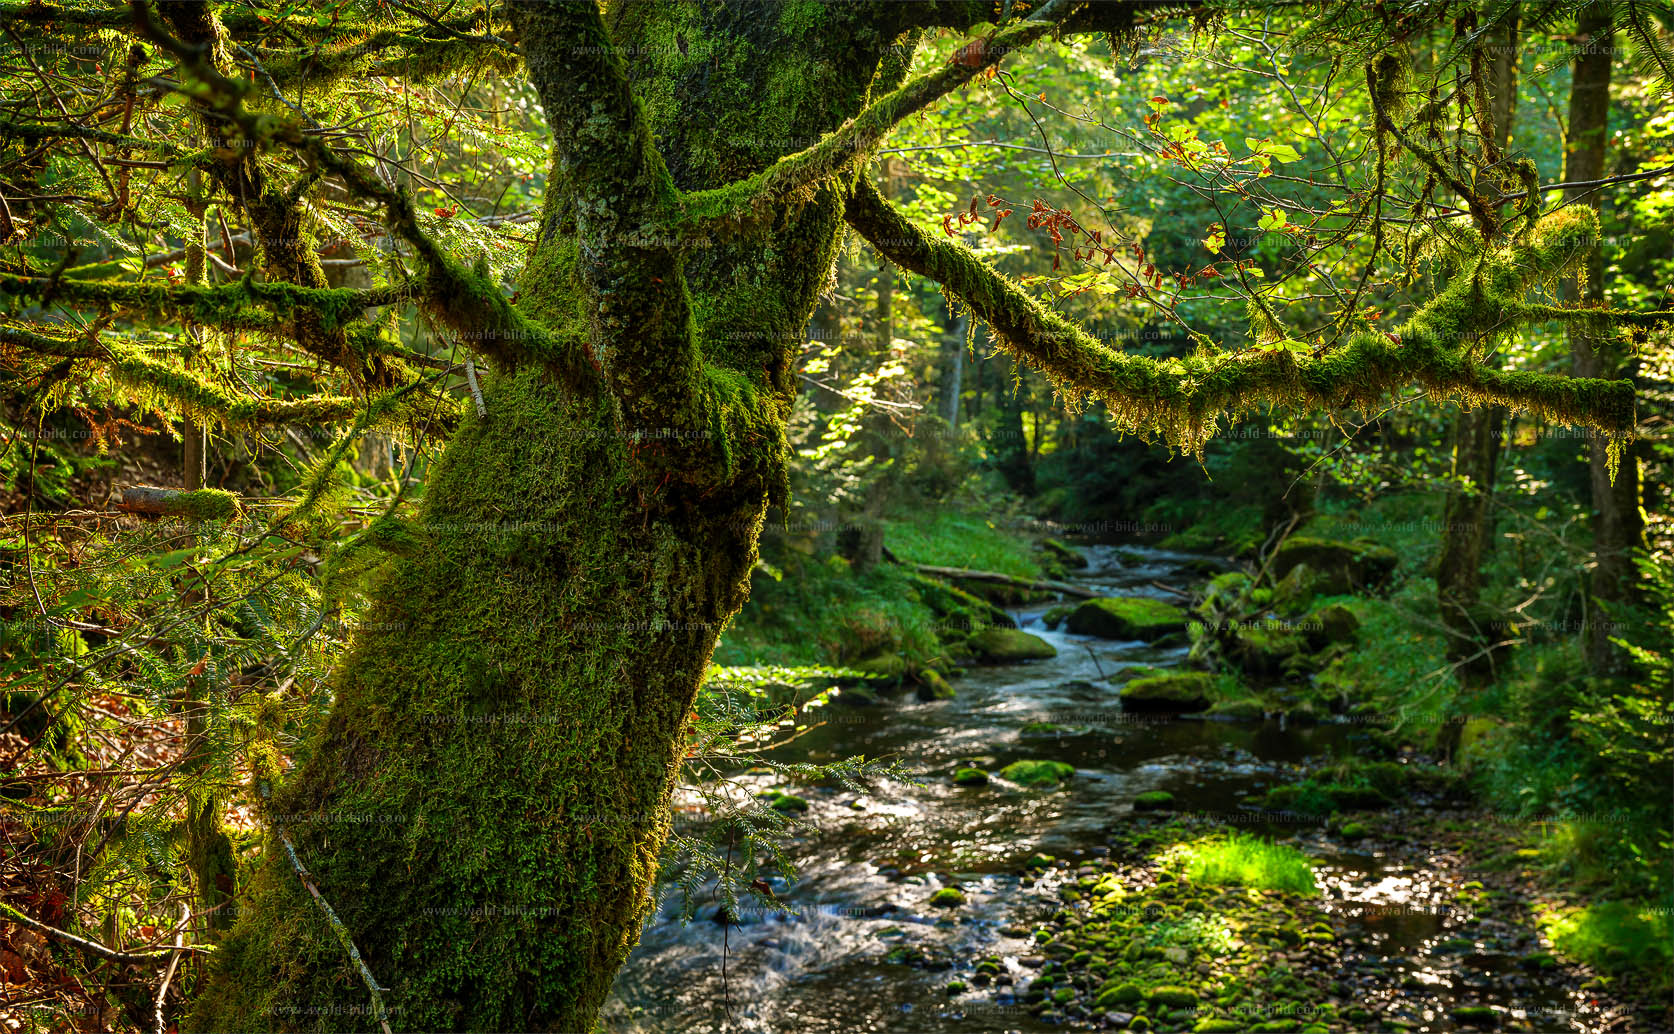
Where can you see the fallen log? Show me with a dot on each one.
(1066, 588)
(203, 504)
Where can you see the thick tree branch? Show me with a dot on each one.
(855, 140)
(618, 192)
(1180, 399)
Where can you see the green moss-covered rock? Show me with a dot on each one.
(1010, 646)
(1475, 1015)
(1125, 993)
(1244, 709)
(778, 800)
(1171, 996)
(1353, 831)
(1068, 556)
(1264, 648)
(1184, 692)
(1333, 623)
(932, 686)
(970, 777)
(948, 897)
(1056, 616)
(1153, 800)
(1037, 774)
(1340, 566)
(885, 668)
(1127, 617)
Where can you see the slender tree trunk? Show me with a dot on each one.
(1468, 515)
(953, 376)
(486, 803)
(1618, 522)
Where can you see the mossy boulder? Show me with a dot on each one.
(1066, 555)
(1153, 800)
(1353, 831)
(884, 668)
(1340, 566)
(948, 897)
(1010, 646)
(1037, 774)
(778, 800)
(1127, 617)
(1265, 648)
(1475, 1015)
(1184, 692)
(1056, 616)
(1333, 623)
(932, 686)
(1244, 709)
(970, 777)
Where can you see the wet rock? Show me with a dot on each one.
(1153, 800)
(1009, 646)
(948, 897)
(970, 777)
(1037, 774)
(1183, 692)
(933, 686)
(1127, 617)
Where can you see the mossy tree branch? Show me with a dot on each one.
(856, 139)
(1181, 399)
(619, 190)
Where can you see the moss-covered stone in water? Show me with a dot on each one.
(955, 987)
(1010, 646)
(1353, 831)
(1039, 861)
(932, 686)
(1339, 566)
(1218, 1025)
(1056, 616)
(1182, 692)
(970, 777)
(1127, 617)
(1070, 558)
(1153, 800)
(948, 897)
(778, 800)
(1037, 774)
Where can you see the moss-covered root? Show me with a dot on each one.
(485, 806)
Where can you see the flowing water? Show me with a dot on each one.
(870, 863)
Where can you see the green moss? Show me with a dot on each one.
(1129, 617)
(1153, 800)
(970, 777)
(1186, 692)
(1009, 646)
(1037, 774)
(1246, 861)
(948, 897)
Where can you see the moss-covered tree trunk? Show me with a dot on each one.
(485, 806)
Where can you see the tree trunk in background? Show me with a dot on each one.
(485, 805)
(953, 370)
(1011, 445)
(1618, 523)
(1468, 516)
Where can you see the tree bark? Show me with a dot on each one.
(485, 806)
(1618, 522)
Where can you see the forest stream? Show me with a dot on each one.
(1398, 938)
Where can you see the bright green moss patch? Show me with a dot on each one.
(970, 777)
(1009, 646)
(1128, 617)
(1037, 774)
(1183, 692)
(1246, 861)
(1153, 800)
(948, 897)
(1625, 940)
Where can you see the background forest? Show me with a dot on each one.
(1480, 600)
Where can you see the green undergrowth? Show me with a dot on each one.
(823, 612)
(1629, 941)
(949, 538)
